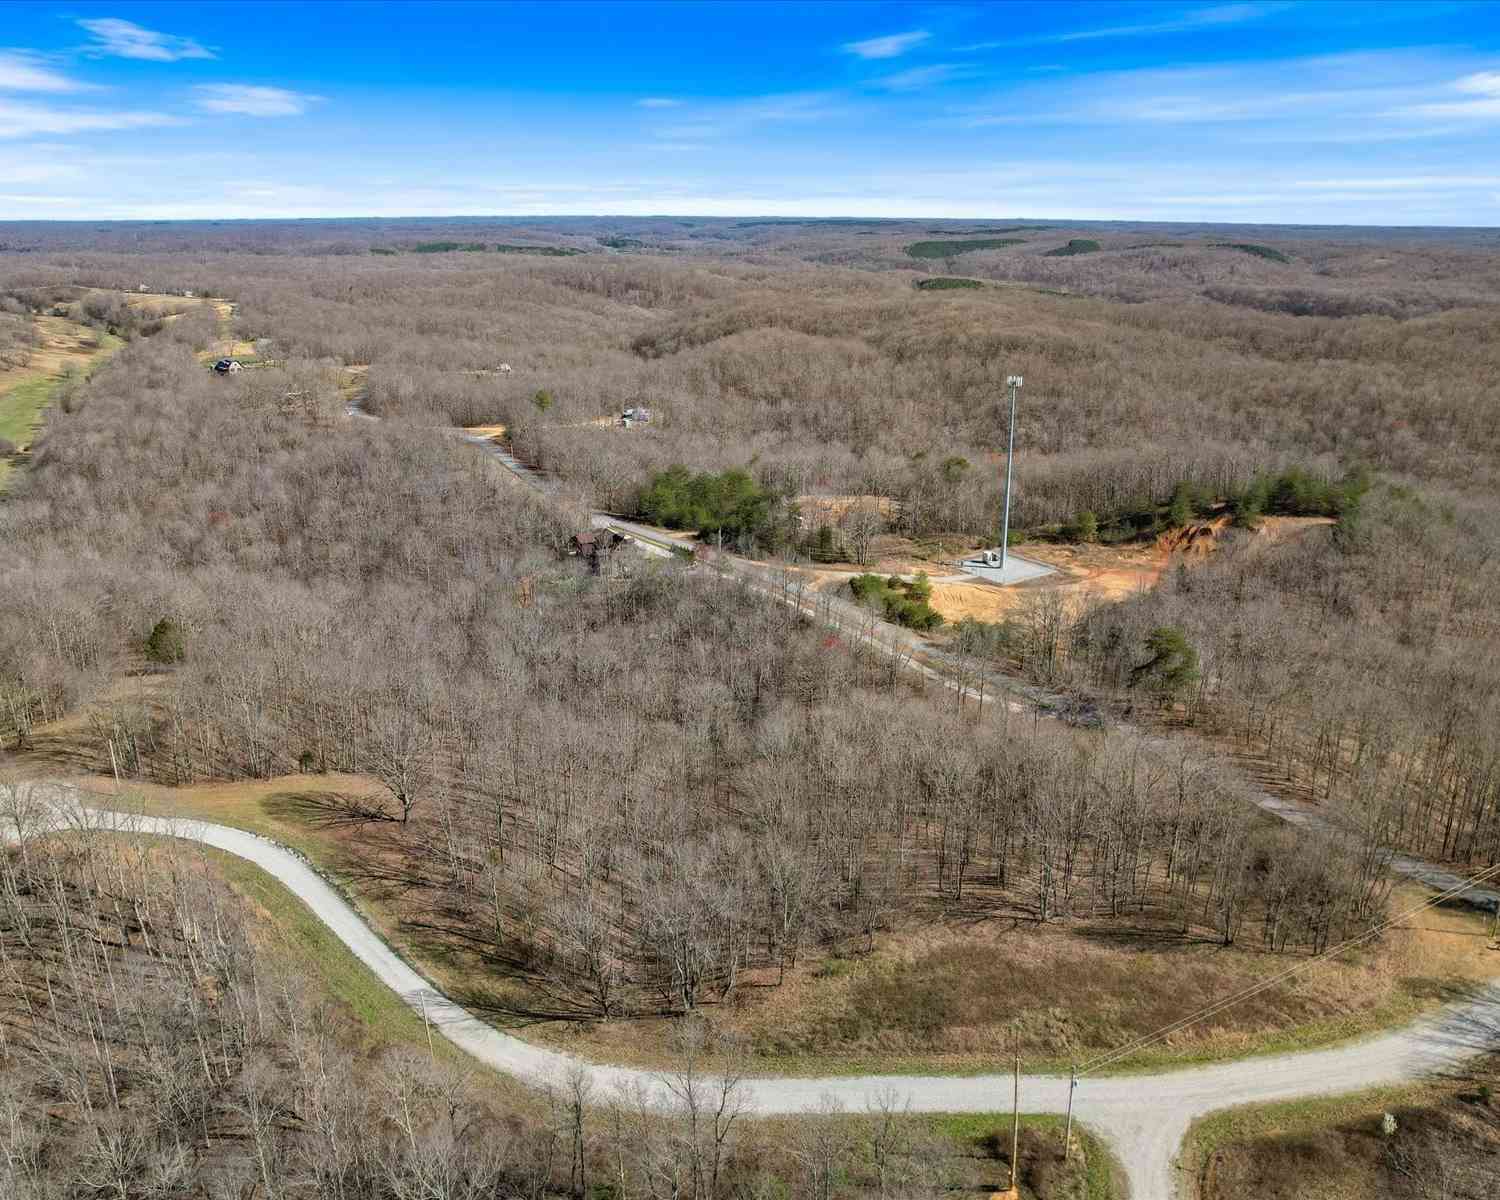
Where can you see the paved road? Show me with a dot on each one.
(1143, 1118)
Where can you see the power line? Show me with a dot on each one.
(1246, 993)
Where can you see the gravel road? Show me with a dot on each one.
(1143, 1118)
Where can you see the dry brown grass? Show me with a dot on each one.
(948, 998)
(64, 344)
(1446, 1145)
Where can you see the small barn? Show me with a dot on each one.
(597, 547)
(227, 366)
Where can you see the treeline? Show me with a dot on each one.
(821, 379)
(1293, 492)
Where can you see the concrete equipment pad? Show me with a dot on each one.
(1017, 570)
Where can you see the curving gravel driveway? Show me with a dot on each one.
(1142, 1118)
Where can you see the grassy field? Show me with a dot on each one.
(21, 407)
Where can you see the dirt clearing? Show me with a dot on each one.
(1085, 573)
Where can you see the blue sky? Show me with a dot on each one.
(1299, 112)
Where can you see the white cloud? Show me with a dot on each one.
(27, 120)
(892, 45)
(1398, 183)
(1334, 98)
(658, 102)
(921, 77)
(124, 39)
(1193, 21)
(1485, 85)
(739, 117)
(23, 200)
(36, 170)
(23, 73)
(253, 101)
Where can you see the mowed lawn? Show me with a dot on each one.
(21, 407)
(23, 403)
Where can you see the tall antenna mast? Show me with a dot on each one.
(1013, 382)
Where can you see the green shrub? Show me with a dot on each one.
(730, 506)
(445, 247)
(165, 644)
(988, 639)
(544, 251)
(824, 546)
(1173, 665)
(946, 283)
(904, 602)
(954, 468)
(1251, 248)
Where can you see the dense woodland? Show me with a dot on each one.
(370, 597)
(373, 598)
(756, 354)
(632, 795)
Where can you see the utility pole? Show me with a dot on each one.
(1013, 382)
(1015, 1122)
(1068, 1133)
(431, 1053)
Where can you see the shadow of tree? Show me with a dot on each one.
(326, 809)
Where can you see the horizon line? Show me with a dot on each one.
(770, 218)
